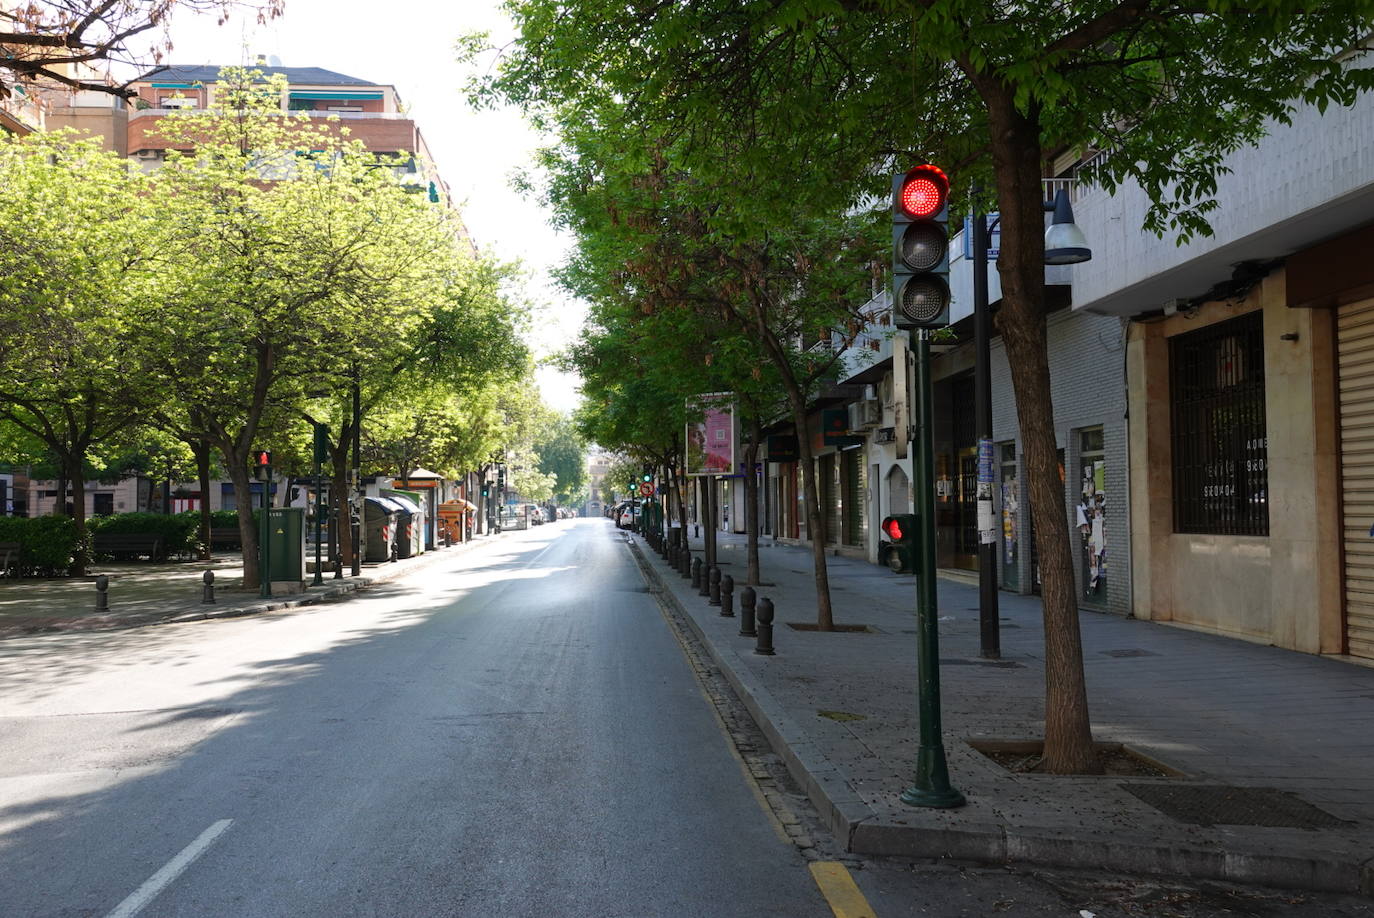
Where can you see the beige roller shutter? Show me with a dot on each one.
(1355, 360)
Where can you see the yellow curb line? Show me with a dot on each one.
(840, 890)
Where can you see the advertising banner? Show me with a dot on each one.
(712, 434)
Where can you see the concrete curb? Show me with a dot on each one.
(943, 834)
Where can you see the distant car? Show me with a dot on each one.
(628, 516)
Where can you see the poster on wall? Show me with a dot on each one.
(712, 434)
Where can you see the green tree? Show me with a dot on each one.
(563, 454)
(75, 254)
(305, 262)
(801, 92)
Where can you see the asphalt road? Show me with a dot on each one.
(516, 732)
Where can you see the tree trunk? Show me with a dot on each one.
(338, 483)
(201, 450)
(1021, 321)
(825, 619)
(248, 530)
(77, 476)
(751, 503)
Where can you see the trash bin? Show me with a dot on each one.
(380, 517)
(407, 526)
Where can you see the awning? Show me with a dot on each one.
(422, 474)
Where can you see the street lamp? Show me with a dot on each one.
(1064, 245)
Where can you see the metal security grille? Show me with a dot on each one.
(1220, 448)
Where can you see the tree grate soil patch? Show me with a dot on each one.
(995, 664)
(1129, 652)
(1219, 805)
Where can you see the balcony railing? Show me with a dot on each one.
(384, 116)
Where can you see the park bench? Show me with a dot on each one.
(225, 537)
(9, 559)
(130, 545)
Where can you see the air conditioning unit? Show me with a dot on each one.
(855, 417)
(871, 412)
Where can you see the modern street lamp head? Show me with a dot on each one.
(1064, 242)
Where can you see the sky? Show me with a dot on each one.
(409, 44)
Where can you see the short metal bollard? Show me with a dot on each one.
(207, 592)
(685, 562)
(102, 593)
(764, 644)
(713, 587)
(727, 596)
(746, 612)
(704, 586)
(696, 573)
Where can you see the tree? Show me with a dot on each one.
(63, 42)
(992, 90)
(306, 261)
(75, 251)
(562, 454)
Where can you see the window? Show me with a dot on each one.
(1220, 447)
(176, 102)
(103, 502)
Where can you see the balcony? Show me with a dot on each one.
(1301, 185)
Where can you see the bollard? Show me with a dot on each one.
(696, 573)
(764, 645)
(713, 587)
(727, 596)
(207, 593)
(746, 612)
(102, 593)
(704, 586)
(685, 563)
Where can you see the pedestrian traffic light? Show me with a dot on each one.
(262, 465)
(648, 474)
(920, 248)
(486, 489)
(900, 553)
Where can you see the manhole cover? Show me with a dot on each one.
(1129, 652)
(1212, 805)
(996, 664)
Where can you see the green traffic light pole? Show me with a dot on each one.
(932, 787)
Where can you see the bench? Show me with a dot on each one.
(9, 559)
(225, 537)
(130, 545)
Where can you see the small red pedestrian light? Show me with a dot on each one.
(893, 529)
(262, 458)
(923, 193)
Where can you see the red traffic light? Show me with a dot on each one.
(923, 192)
(893, 528)
(900, 528)
(262, 458)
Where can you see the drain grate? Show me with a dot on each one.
(1218, 805)
(1129, 652)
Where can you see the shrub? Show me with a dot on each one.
(47, 544)
(179, 531)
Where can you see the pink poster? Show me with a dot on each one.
(711, 435)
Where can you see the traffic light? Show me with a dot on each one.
(920, 248)
(900, 553)
(648, 475)
(486, 489)
(262, 465)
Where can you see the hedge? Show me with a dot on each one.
(180, 531)
(47, 544)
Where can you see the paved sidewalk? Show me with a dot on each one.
(1224, 712)
(142, 594)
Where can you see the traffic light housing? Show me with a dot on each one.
(920, 248)
(647, 475)
(900, 553)
(262, 465)
(486, 489)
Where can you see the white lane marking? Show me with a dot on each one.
(159, 881)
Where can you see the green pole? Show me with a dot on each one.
(264, 528)
(932, 787)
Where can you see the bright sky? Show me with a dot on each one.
(409, 44)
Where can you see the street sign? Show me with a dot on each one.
(646, 489)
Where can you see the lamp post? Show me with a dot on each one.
(1064, 245)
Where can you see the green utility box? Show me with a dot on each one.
(286, 548)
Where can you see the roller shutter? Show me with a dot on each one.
(1355, 361)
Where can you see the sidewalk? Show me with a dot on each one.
(142, 594)
(841, 710)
